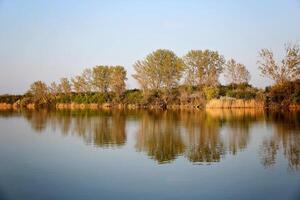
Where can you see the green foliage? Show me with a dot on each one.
(203, 67)
(10, 98)
(63, 98)
(211, 92)
(134, 96)
(117, 81)
(239, 91)
(296, 97)
(78, 98)
(104, 98)
(25, 100)
(161, 69)
(285, 94)
(39, 93)
(159, 75)
(101, 76)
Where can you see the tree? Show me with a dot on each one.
(161, 69)
(211, 92)
(39, 92)
(117, 80)
(203, 67)
(54, 90)
(65, 86)
(236, 73)
(287, 70)
(87, 75)
(78, 84)
(101, 76)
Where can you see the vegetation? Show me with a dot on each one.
(287, 70)
(236, 73)
(166, 79)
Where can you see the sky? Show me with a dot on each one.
(48, 40)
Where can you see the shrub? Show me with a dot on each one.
(286, 93)
(211, 92)
(134, 96)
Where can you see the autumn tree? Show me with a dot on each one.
(65, 86)
(54, 89)
(203, 67)
(78, 84)
(39, 92)
(161, 69)
(287, 70)
(236, 73)
(101, 76)
(117, 80)
(87, 75)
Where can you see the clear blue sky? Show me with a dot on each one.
(47, 40)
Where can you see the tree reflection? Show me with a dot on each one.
(204, 143)
(201, 137)
(109, 130)
(159, 136)
(103, 128)
(38, 119)
(195, 134)
(237, 124)
(286, 136)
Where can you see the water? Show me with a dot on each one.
(242, 154)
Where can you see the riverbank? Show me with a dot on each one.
(212, 104)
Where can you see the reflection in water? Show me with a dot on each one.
(201, 137)
(237, 124)
(286, 137)
(159, 136)
(103, 129)
(203, 140)
(195, 134)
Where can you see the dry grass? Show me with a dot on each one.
(234, 103)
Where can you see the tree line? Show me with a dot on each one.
(165, 78)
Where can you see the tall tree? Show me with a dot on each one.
(39, 92)
(101, 77)
(287, 70)
(117, 80)
(87, 75)
(161, 69)
(65, 86)
(78, 84)
(236, 73)
(54, 89)
(203, 67)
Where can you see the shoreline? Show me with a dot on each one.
(211, 105)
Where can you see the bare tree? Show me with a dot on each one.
(78, 84)
(287, 70)
(54, 89)
(236, 73)
(87, 75)
(65, 86)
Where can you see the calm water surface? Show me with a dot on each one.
(241, 154)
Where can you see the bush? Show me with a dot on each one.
(285, 94)
(239, 91)
(211, 92)
(10, 98)
(134, 96)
